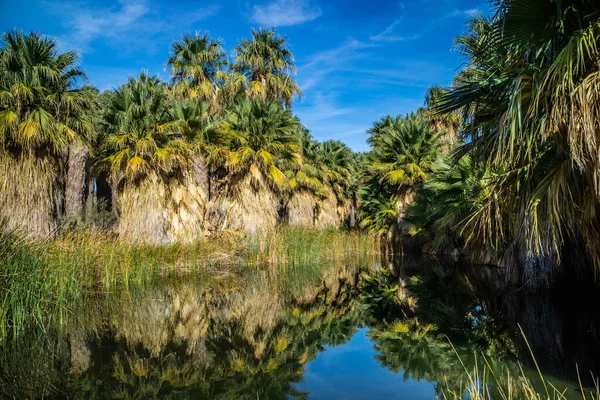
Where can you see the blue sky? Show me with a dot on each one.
(357, 60)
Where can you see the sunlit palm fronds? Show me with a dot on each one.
(531, 98)
(261, 137)
(404, 152)
(197, 65)
(42, 104)
(142, 137)
(268, 64)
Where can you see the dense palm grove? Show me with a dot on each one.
(218, 147)
(502, 166)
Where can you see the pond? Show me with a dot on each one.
(409, 328)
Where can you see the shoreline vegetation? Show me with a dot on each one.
(39, 278)
(171, 315)
(499, 167)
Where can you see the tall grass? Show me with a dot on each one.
(481, 383)
(38, 280)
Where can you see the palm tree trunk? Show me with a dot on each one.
(89, 199)
(201, 174)
(76, 181)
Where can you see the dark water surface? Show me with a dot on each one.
(319, 332)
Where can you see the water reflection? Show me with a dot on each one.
(326, 332)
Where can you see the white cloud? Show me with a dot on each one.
(285, 13)
(129, 22)
(89, 26)
(322, 107)
(387, 35)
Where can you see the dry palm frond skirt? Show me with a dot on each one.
(247, 204)
(31, 193)
(331, 212)
(306, 209)
(301, 209)
(157, 210)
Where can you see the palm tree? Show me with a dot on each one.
(42, 112)
(138, 143)
(307, 187)
(268, 64)
(79, 188)
(261, 139)
(404, 149)
(450, 122)
(306, 175)
(196, 64)
(261, 135)
(150, 160)
(530, 91)
(338, 164)
(193, 121)
(377, 212)
(232, 89)
(454, 193)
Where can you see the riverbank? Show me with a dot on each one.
(39, 278)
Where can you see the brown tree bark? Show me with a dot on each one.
(89, 198)
(201, 174)
(75, 192)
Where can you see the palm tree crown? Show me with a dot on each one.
(404, 151)
(268, 64)
(196, 59)
(41, 102)
(261, 136)
(141, 138)
(196, 64)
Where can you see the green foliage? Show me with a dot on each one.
(268, 65)
(196, 59)
(260, 136)
(377, 212)
(529, 93)
(450, 199)
(197, 65)
(42, 103)
(404, 151)
(140, 138)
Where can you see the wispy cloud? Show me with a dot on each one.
(323, 107)
(129, 22)
(387, 35)
(471, 12)
(87, 27)
(285, 13)
(319, 65)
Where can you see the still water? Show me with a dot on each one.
(407, 329)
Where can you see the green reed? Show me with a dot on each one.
(39, 279)
(482, 383)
